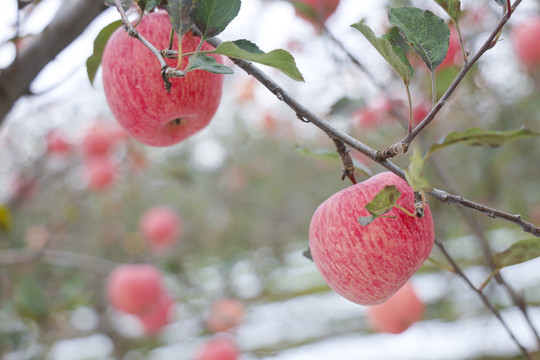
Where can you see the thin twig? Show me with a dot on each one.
(482, 297)
(346, 160)
(80, 261)
(167, 72)
(488, 44)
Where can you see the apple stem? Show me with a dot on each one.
(195, 53)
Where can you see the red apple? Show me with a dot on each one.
(525, 38)
(218, 348)
(100, 173)
(454, 55)
(317, 11)
(135, 90)
(135, 288)
(396, 314)
(367, 264)
(57, 143)
(160, 315)
(160, 226)
(420, 111)
(100, 139)
(225, 314)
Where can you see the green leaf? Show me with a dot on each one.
(414, 173)
(181, 13)
(426, 32)
(6, 220)
(213, 16)
(384, 201)
(452, 8)
(149, 5)
(126, 4)
(346, 106)
(94, 60)
(244, 49)
(390, 51)
(209, 63)
(29, 299)
(517, 253)
(482, 137)
(333, 157)
(501, 2)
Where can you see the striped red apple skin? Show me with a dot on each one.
(135, 90)
(367, 264)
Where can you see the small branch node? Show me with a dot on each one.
(346, 160)
(302, 118)
(133, 32)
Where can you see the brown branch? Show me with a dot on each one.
(69, 22)
(167, 72)
(346, 160)
(458, 271)
(79, 261)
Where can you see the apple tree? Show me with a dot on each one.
(389, 145)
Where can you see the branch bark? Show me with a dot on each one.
(70, 21)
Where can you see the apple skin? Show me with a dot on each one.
(395, 315)
(525, 41)
(366, 265)
(160, 315)
(323, 8)
(160, 226)
(225, 314)
(220, 347)
(57, 143)
(100, 173)
(136, 93)
(100, 139)
(453, 56)
(134, 288)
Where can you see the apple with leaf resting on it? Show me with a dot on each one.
(135, 89)
(367, 263)
(396, 314)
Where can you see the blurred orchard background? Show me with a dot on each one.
(245, 189)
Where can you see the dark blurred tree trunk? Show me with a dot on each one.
(69, 22)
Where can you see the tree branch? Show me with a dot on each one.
(69, 22)
(483, 298)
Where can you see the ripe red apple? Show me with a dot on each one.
(225, 314)
(396, 314)
(57, 143)
(100, 173)
(135, 90)
(525, 37)
(220, 347)
(454, 55)
(319, 12)
(160, 226)
(159, 315)
(135, 288)
(420, 111)
(100, 139)
(367, 264)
